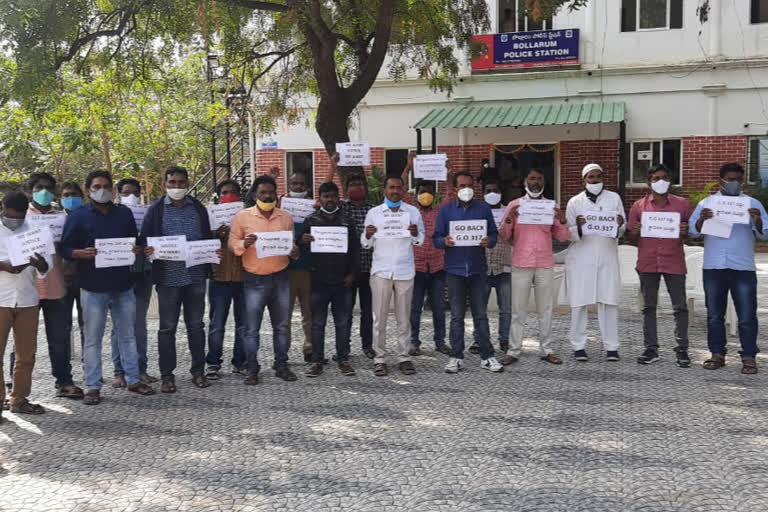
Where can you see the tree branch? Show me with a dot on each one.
(258, 6)
(382, 34)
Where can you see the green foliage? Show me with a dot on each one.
(375, 182)
(759, 192)
(695, 195)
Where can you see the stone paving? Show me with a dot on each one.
(593, 436)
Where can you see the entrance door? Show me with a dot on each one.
(514, 162)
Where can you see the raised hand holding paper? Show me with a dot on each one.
(430, 167)
(299, 208)
(329, 239)
(467, 233)
(273, 243)
(353, 154)
(222, 214)
(114, 252)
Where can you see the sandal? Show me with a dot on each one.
(69, 391)
(27, 407)
(119, 382)
(552, 358)
(749, 366)
(168, 385)
(200, 381)
(141, 389)
(715, 362)
(7, 404)
(92, 398)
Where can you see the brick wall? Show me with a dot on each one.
(575, 154)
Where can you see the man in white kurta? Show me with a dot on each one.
(592, 265)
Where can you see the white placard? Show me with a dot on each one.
(329, 239)
(274, 243)
(114, 252)
(646, 155)
(23, 246)
(53, 221)
(498, 215)
(467, 233)
(139, 211)
(222, 214)
(200, 252)
(168, 248)
(600, 224)
(430, 167)
(393, 225)
(536, 211)
(660, 225)
(353, 154)
(299, 208)
(731, 209)
(716, 227)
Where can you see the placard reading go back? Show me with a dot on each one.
(467, 233)
(660, 225)
(353, 154)
(600, 224)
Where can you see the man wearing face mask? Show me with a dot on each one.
(729, 266)
(532, 266)
(661, 257)
(592, 265)
(18, 307)
(333, 274)
(71, 200)
(466, 269)
(178, 214)
(104, 290)
(52, 292)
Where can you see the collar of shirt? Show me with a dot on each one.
(592, 197)
(168, 200)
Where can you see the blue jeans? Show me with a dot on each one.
(341, 300)
(73, 298)
(122, 307)
(222, 294)
(171, 299)
(743, 288)
(503, 284)
(55, 316)
(457, 291)
(270, 291)
(434, 284)
(142, 289)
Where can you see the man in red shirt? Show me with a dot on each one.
(657, 257)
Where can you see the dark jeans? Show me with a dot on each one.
(503, 284)
(341, 301)
(59, 348)
(457, 292)
(222, 295)
(73, 298)
(142, 291)
(649, 286)
(270, 291)
(170, 300)
(434, 284)
(362, 287)
(743, 288)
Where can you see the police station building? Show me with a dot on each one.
(624, 83)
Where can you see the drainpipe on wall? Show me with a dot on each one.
(622, 178)
(418, 141)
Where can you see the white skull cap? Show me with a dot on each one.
(590, 167)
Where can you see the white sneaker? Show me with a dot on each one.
(454, 365)
(491, 364)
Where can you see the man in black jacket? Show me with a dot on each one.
(333, 269)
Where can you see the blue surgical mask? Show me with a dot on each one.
(731, 188)
(71, 203)
(392, 204)
(43, 197)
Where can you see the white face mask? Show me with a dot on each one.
(130, 200)
(492, 198)
(101, 196)
(300, 195)
(466, 194)
(595, 188)
(660, 187)
(533, 194)
(177, 194)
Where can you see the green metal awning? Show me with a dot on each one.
(522, 115)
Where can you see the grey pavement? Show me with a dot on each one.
(593, 436)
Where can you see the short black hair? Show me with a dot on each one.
(99, 173)
(39, 176)
(393, 177)
(462, 173)
(425, 183)
(72, 185)
(228, 182)
(176, 169)
(328, 186)
(128, 181)
(262, 180)
(730, 167)
(16, 200)
(491, 181)
(533, 169)
(355, 177)
(300, 172)
(658, 167)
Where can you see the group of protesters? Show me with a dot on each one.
(405, 250)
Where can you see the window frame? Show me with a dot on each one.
(754, 160)
(631, 183)
(289, 171)
(754, 12)
(547, 24)
(668, 16)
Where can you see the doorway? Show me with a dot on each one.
(513, 162)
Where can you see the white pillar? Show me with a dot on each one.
(716, 28)
(589, 37)
(712, 115)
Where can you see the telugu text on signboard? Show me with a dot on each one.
(393, 225)
(53, 221)
(201, 252)
(114, 252)
(660, 225)
(299, 208)
(274, 243)
(430, 167)
(222, 214)
(536, 211)
(168, 248)
(329, 239)
(353, 154)
(732, 209)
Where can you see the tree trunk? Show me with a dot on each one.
(331, 126)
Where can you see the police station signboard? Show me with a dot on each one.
(541, 48)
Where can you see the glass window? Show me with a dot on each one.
(757, 160)
(644, 154)
(651, 14)
(300, 162)
(514, 17)
(759, 11)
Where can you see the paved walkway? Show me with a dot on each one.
(586, 437)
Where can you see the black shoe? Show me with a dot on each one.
(580, 355)
(252, 379)
(503, 346)
(285, 374)
(315, 370)
(474, 348)
(612, 355)
(443, 349)
(649, 356)
(683, 361)
(369, 352)
(308, 358)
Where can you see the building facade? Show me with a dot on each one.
(624, 83)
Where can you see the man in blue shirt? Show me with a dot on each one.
(729, 265)
(466, 268)
(103, 289)
(177, 214)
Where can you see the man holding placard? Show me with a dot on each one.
(658, 223)
(176, 214)
(266, 277)
(729, 264)
(334, 248)
(465, 229)
(391, 230)
(71, 199)
(531, 222)
(104, 288)
(596, 220)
